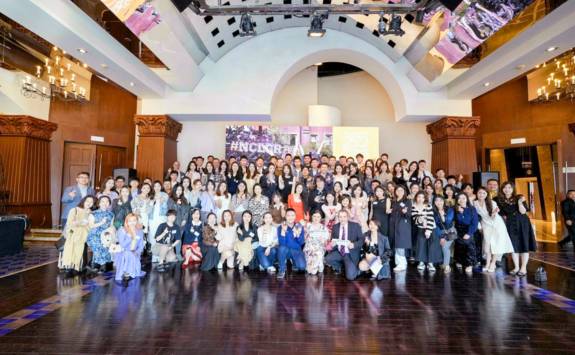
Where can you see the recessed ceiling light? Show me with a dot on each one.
(85, 65)
(486, 84)
(551, 49)
(82, 50)
(318, 64)
(131, 83)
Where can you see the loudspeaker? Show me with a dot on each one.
(451, 4)
(480, 177)
(127, 173)
(181, 5)
(12, 228)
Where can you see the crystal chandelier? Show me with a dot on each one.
(58, 72)
(560, 82)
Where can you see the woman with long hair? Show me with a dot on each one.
(381, 209)
(258, 205)
(316, 238)
(121, 206)
(400, 227)
(269, 182)
(277, 208)
(233, 177)
(142, 206)
(375, 253)
(427, 247)
(246, 234)
(298, 202)
(251, 178)
(513, 208)
(211, 255)
(496, 241)
(157, 215)
(100, 222)
(267, 249)
(222, 199)
(466, 222)
(286, 182)
(330, 210)
(240, 201)
(76, 233)
(129, 250)
(226, 237)
(192, 239)
(107, 189)
(444, 218)
(340, 176)
(207, 199)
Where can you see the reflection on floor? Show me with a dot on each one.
(190, 311)
(32, 256)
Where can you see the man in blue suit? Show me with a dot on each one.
(73, 194)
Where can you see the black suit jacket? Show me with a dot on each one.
(354, 235)
(568, 209)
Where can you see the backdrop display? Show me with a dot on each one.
(265, 141)
(350, 141)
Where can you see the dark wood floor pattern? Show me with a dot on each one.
(228, 312)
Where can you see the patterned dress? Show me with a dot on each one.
(101, 253)
(314, 250)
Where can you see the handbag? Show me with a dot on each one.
(541, 274)
(60, 243)
(450, 234)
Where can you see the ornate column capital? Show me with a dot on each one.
(157, 126)
(453, 127)
(26, 126)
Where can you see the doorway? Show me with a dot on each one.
(533, 170)
(98, 160)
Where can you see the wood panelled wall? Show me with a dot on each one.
(109, 114)
(25, 158)
(505, 113)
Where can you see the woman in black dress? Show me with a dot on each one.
(513, 209)
(466, 223)
(400, 227)
(398, 175)
(380, 209)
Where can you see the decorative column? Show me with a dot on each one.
(157, 145)
(25, 167)
(453, 145)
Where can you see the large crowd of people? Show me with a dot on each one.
(352, 215)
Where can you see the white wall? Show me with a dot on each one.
(12, 102)
(364, 102)
(360, 98)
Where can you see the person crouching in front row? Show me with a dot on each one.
(129, 250)
(345, 246)
(290, 239)
(167, 237)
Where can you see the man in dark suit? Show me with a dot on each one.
(74, 194)
(346, 243)
(568, 212)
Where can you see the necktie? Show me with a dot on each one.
(343, 237)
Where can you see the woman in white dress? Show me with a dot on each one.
(496, 241)
(142, 206)
(226, 237)
(222, 200)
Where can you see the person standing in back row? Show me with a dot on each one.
(568, 212)
(74, 194)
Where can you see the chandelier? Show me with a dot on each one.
(59, 73)
(559, 82)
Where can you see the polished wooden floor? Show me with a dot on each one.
(228, 312)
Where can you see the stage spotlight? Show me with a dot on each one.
(247, 26)
(394, 27)
(316, 27)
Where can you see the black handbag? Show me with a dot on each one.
(60, 244)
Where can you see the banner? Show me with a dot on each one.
(265, 141)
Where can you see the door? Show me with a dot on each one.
(108, 159)
(77, 158)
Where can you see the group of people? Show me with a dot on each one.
(354, 215)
